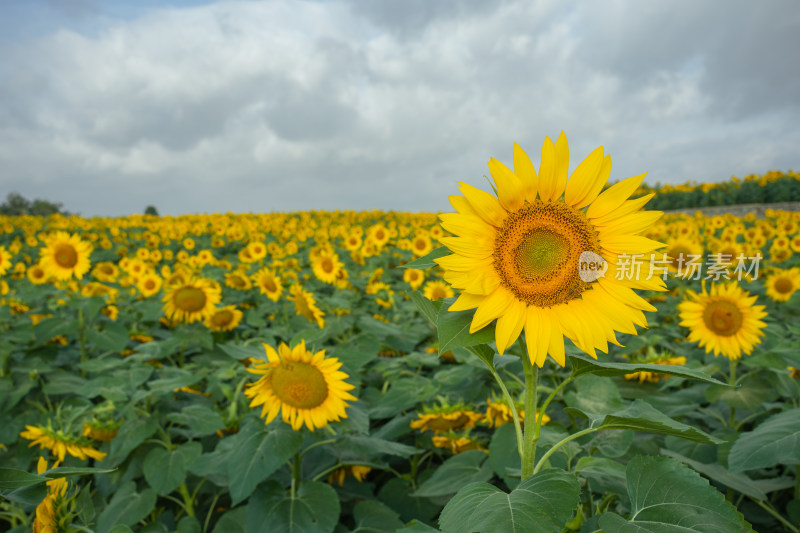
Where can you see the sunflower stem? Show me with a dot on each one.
(768, 508)
(530, 437)
(295, 475)
(82, 338)
(510, 402)
(732, 383)
(561, 443)
(187, 499)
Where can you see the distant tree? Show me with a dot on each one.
(151, 210)
(16, 204)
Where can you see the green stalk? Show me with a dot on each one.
(559, 444)
(776, 515)
(295, 475)
(732, 383)
(187, 499)
(510, 402)
(530, 437)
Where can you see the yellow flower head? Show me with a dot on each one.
(191, 301)
(517, 256)
(65, 256)
(305, 387)
(224, 319)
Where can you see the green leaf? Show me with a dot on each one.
(600, 466)
(456, 472)
(200, 419)
(64, 471)
(258, 452)
(775, 441)
(543, 503)
(453, 327)
(396, 493)
(427, 261)
(126, 507)
(233, 521)
(373, 446)
(188, 524)
(404, 393)
(667, 496)
(113, 337)
(131, 434)
(239, 352)
(374, 517)
(749, 395)
(585, 365)
(13, 478)
(484, 353)
(504, 453)
(642, 416)
(315, 509)
(426, 307)
(166, 470)
(595, 394)
(718, 473)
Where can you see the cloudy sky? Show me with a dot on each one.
(283, 105)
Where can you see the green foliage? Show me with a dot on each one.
(16, 205)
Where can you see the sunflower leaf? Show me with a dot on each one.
(460, 470)
(314, 509)
(427, 261)
(585, 365)
(454, 332)
(540, 504)
(426, 307)
(775, 441)
(668, 496)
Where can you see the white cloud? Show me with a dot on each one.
(357, 105)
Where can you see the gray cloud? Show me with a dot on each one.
(262, 106)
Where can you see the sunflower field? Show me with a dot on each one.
(382, 371)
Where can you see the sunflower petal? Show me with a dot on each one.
(510, 190)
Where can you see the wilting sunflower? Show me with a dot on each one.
(61, 444)
(65, 256)
(458, 443)
(306, 305)
(192, 301)
(724, 320)
(517, 257)
(445, 418)
(305, 388)
(224, 319)
(357, 471)
(782, 284)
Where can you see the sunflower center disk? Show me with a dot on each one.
(190, 299)
(783, 285)
(223, 318)
(537, 252)
(300, 385)
(723, 318)
(66, 256)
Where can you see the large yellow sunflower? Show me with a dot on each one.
(191, 301)
(65, 256)
(724, 320)
(305, 388)
(517, 256)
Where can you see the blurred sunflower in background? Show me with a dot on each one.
(782, 284)
(65, 256)
(191, 301)
(306, 388)
(224, 319)
(724, 320)
(516, 255)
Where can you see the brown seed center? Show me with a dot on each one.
(66, 256)
(723, 317)
(299, 384)
(190, 299)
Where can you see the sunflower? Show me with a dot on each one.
(326, 267)
(516, 257)
(307, 388)
(445, 418)
(433, 290)
(224, 319)
(414, 277)
(724, 320)
(105, 271)
(60, 444)
(5, 260)
(268, 283)
(149, 284)
(421, 244)
(65, 256)
(191, 301)
(498, 414)
(52, 513)
(357, 471)
(306, 305)
(238, 280)
(782, 284)
(684, 256)
(457, 443)
(36, 274)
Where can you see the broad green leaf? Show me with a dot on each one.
(315, 509)
(720, 474)
(456, 472)
(126, 507)
(504, 454)
(749, 395)
(113, 337)
(233, 521)
(188, 524)
(427, 261)
(642, 416)
(239, 352)
(396, 493)
(595, 394)
(585, 365)
(166, 470)
(404, 393)
(426, 307)
(775, 441)
(484, 353)
(131, 434)
(543, 503)
(667, 497)
(200, 419)
(258, 452)
(453, 328)
(417, 527)
(64, 471)
(374, 517)
(600, 466)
